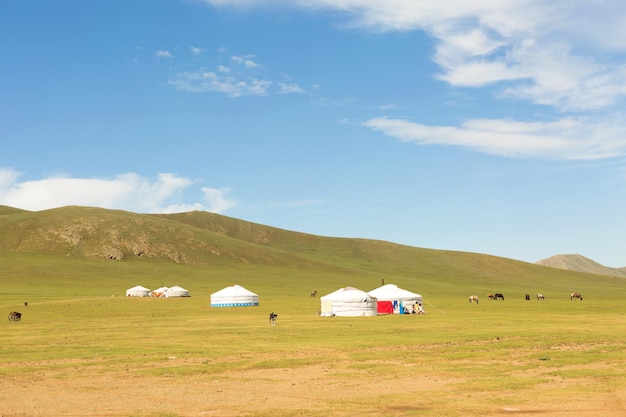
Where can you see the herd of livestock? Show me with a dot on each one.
(500, 296)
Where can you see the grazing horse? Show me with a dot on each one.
(498, 296)
(527, 298)
(273, 318)
(313, 293)
(473, 299)
(490, 296)
(576, 296)
(541, 297)
(15, 316)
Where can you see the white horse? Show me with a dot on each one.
(473, 299)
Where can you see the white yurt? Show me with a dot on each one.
(348, 302)
(176, 291)
(138, 291)
(159, 292)
(234, 296)
(392, 299)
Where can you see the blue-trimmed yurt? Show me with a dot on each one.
(234, 296)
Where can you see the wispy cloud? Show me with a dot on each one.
(195, 50)
(557, 53)
(245, 60)
(567, 139)
(212, 82)
(163, 54)
(125, 192)
(245, 78)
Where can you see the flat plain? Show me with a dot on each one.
(84, 349)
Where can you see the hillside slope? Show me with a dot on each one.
(220, 245)
(581, 264)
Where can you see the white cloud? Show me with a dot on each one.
(550, 52)
(195, 50)
(211, 82)
(163, 54)
(217, 199)
(245, 60)
(289, 88)
(125, 192)
(568, 55)
(566, 139)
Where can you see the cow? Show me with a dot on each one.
(313, 293)
(15, 316)
(576, 296)
(473, 299)
(541, 297)
(527, 298)
(498, 296)
(273, 318)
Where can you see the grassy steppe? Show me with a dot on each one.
(82, 348)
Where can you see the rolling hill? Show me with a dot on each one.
(580, 263)
(68, 241)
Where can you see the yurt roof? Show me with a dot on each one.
(391, 292)
(138, 288)
(346, 294)
(237, 290)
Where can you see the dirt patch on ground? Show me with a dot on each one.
(312, 390)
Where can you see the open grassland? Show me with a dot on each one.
(83, 349)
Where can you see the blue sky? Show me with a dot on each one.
(488, 126)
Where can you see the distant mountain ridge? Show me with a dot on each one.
(575, 262)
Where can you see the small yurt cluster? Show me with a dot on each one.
(164, 292)
(352, 302)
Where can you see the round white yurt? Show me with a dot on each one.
(176, 291)
(159, 292)
(138, 291)
(234, 296)
(394, 300)
(348, 302)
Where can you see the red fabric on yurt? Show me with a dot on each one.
(384, 307)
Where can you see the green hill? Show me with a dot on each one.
(205, 250)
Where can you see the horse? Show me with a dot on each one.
(498, 296)
(273, 318)
(313, 293)
(527, 297)
(473, 299)
(576, 296)
(490, 296)
(541, 297)
(15, 316)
